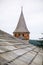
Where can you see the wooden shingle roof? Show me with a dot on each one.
(14, 53)
(21, 26)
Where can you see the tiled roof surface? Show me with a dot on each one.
(14, 51)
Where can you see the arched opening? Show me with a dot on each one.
(17, 34)
(23, 34)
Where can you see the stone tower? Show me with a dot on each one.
(21, 30)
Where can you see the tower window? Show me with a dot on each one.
(19, 34)
(23, 34)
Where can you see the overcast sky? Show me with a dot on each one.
(33, 13)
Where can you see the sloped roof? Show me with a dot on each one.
(21, 26)
(7, 36)
(19, 54)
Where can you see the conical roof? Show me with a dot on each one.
(21, 26)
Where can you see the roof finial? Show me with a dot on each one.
(22, 8)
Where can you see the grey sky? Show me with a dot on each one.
(33, 13)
